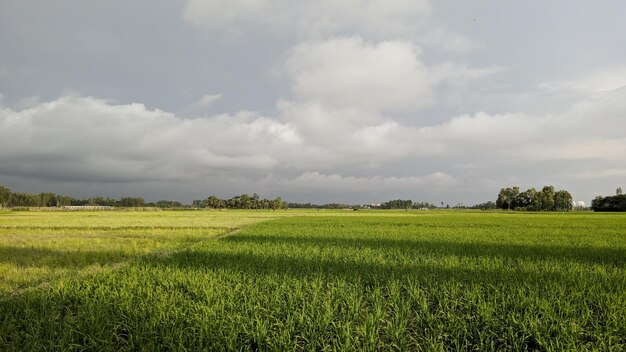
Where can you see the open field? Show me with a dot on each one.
(311, 280)
(36, 247)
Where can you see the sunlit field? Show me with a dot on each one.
(312, 281)
(37, 247)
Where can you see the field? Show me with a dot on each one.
(312, 281)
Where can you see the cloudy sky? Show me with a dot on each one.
(321, 101)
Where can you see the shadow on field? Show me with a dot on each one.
(373, 273)
(415, 247)
(43, 257)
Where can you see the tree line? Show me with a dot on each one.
(547, 199)
(610, 203)
(9, 199)
(243, 201)
(406, 204)
(392, 204)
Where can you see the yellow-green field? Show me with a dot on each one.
(312, 281)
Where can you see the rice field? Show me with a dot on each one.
(312, 281)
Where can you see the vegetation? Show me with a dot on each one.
(342, 281)
(392, 204)
(546, 199)
(243, 201)
(406, 204)
(610, 203)
(38, 247)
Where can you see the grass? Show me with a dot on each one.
(322, 281)
(39, 247)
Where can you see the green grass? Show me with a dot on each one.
(323, 281)
(39, 247)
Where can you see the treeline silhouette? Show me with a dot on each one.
(243, 201)
(20, 199)
(547, 199)
(610, 203)
(9, 199)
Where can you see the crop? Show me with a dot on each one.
(324, 281)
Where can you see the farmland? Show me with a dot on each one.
(308, 280)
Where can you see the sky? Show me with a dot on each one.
(355, 101)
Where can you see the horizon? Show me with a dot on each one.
(334, 101)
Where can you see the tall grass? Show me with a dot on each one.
(345, 281)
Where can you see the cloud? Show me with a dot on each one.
(444, 38)
(328, 149)
(384, 76)
(348, 72)
(597, 81)
(207, 100)
(86, 139)
(315, 181)
(373, 18)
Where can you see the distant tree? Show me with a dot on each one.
(165, 204)
(244, 201)
(397, 204)
(278, 203)
(546, 198)
(5, 197)
(212, 202)
(611, 203)
(48, 199)
(24, 200)
(563, 201)
(618, 191)
(485, 206)
(63, 200)
(130, 202)
(527, 199)
(423, 205)
(507, 198)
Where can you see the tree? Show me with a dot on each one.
(507, 198)
(618, 191)
(5, 197)
(546, 198)
(168, 204)
(48, 199)
(397, 204)
(132, 202)
(277, 203)
(24, 200)
(527, 199)
(212, 202)
(614, 203)
(244, 201)
(563, 200)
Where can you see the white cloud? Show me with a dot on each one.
(83, 137)
(87, 139)
(348, 72)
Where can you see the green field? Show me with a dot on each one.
(312, 281)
